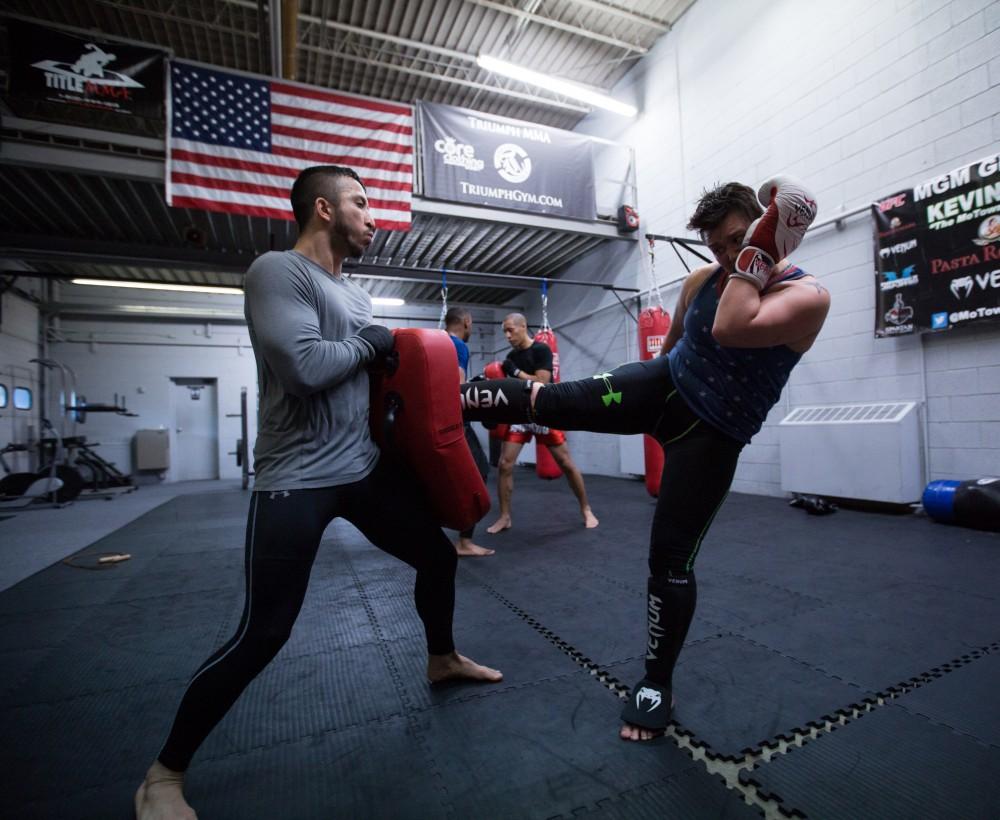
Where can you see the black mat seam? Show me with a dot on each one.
(750, 579)
(410, 713)
(892, 695)
(697, 749)
(945, 725)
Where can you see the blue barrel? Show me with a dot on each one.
(974, 503)
(939, 500)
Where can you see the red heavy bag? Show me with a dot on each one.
(409, 418)
(653, 326)
(494, 370)
(545, 465)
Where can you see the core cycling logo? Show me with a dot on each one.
(512, 162)
(457, 153)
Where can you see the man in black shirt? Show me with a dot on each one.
(532, 361)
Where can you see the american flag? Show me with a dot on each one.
(237, 142)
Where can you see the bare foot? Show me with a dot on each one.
(589, 519)
(457, 667)
(631, 732)
(501, 524)
(161, 796)
(465, 548)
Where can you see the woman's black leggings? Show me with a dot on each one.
(698, 469)
(284, 529)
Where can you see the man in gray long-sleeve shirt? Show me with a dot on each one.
(314, 461)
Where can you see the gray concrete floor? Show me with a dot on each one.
(35, 538)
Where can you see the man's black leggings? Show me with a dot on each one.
(284, 530)
(699, 465)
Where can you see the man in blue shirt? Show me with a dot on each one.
(458, 323)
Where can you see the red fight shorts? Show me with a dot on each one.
(522, 433)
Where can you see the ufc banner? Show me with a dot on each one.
(937, 252)
(481, 159)
(84, 80)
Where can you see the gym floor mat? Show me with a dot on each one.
(801, 620)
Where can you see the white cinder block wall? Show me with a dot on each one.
(860, 100)
(18, 345)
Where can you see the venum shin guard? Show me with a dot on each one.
(497, 401)
(670, 604)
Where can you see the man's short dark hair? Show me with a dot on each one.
(716, 204)
(317, 181)
(455, 315)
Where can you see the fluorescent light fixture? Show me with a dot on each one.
(388, 301)
(567, 89)
(115, 283)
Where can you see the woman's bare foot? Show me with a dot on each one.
(465, 548)
(630, 731)
(441, 668)
(589, 519)
(161, 796)
(501, 524)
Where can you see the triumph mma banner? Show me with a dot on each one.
(482, 159)
(84, 80)
(937, 252)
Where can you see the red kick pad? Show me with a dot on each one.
(418, 409)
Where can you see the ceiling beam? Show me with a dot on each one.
(556, 24)
(492, 89)
(80, 160)
(631, 16)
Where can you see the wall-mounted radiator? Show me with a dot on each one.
(867, 451)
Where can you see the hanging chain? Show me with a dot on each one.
(545, 305)
(650, 267)
(444, 299)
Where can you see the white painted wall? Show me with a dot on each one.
(18, 345)
(137, 357)
(860, 100)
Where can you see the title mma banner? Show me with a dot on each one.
(85, 80)
(937, 252)
(482, 159)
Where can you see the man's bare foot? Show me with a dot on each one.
(161, 796)
(441, 668)
(501, 524)
(589, 519)
(465, 548)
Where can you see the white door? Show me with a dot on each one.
(196, 430)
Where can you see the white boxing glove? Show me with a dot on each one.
(789, 210)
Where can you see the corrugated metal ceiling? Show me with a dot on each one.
(392, 49)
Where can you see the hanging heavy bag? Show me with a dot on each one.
(545, 464)
(654, 323)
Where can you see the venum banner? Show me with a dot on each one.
(85, 80)
(482, 159)
(937, 252)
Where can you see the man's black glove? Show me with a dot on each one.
(381, 342)
(510, 369)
